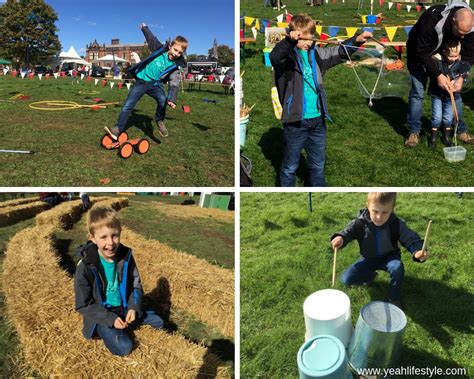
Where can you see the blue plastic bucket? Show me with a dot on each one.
(323, 357)
(243, 130)
(371, 19)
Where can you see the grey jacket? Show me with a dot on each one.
(378, 241)
(89, 288)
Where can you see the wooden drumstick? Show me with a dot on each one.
(427, 235)
(334, 267)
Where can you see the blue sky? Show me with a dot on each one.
(200, 21)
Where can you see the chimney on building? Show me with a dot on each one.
(115, 41)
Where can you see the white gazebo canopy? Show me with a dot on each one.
(71, 54)
(109, 57)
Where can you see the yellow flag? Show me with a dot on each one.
(351, 31)
(391, 31)
(257, 24)
(282, 24)
(248, 20)
(319, 29)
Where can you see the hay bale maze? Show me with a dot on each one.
(15, 202)
(16, 212)
(191, 211)
(40, 305)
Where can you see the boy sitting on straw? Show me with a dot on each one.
(299, 69)
(378, 230)
(107, 285)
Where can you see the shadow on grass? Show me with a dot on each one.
(394, 110)
(272, 226)
(144, 123)
(299, 223)
(435, 306)
(271, 144)
(201, 127)
(422, 358)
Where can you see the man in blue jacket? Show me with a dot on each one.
(161, 67)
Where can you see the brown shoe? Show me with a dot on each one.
(162, 129)
(413, 140)
(466, 138)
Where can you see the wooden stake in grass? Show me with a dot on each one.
(334, 267)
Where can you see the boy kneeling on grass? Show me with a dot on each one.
(299, 69)
(378, 230)
(107, 286)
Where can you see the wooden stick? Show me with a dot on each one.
(334, 268)
(453, 104)
(376, 40)
(427, 234)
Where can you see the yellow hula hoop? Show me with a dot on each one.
(60, 105)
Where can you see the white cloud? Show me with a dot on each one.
(77, 18)
(92, 23)
(82, 49)
(156, 26)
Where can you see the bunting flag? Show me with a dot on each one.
(282, 24)
(381, 2)
(257, 24)
(112, 85)
(333, 30)
(399, 6)
(368, 29)
(391, 31)
(427, 7)
(390, 5)
(199, 77)
(5, 71)
(89, 78)
(248, 21)
(264, 24)
(407, 29)
(14, 73)
(55, 74)
(319, 29)
(103, 82)
(96, 81)
(280, 17)
(128, 85)
(31, 75)
(289, 16)
(40, 76)
(350, 31)
(418, 8)
(254, 32)
(23, 75)
(82, 76)
(46, 76)
(221, 78)
(408, 8)
(119, 85)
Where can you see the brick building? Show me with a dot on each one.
(95, 51)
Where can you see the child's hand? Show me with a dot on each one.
(422, 255)
(363, 37)
(171, 104)
(458, 84)
(337, 242)
(296, 34)
(444, 82)
(119, 323)
(131, 316)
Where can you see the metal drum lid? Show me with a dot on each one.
(384, 317)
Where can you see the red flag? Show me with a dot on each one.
(46, 76)
(104, 82)
(31, 75)
(418, 8)
(399, 6)
(89, 78)
(120, 85)
(381, 2)
(14, 73)
(288, 18)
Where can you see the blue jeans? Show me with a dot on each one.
(363, 271)
(139, 89)
(309, 134)
(118, 341)
(441, 112)
(418, 80)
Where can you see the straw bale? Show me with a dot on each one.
(14, 202)
(66, 214)
(196, 286)
(15, 213)
(40, 304)
(192, 211)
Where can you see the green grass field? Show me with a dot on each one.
(209, 240)
(364, 145)
(285, 256)
(198, 152)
